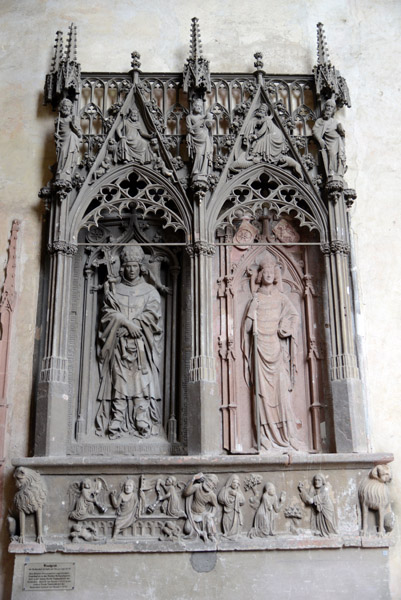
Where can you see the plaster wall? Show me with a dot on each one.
(364, 43)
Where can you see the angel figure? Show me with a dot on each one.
(88, 496)
(168, 498)
(126, 505)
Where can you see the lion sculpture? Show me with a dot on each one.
(374, 495)
(29, 499)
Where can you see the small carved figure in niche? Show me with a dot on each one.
(169, 531)
(269, 345)
(323, 519)
(168, 498)
(231, 498)
(88, 496)
(263, 141)
(29, 499)
(133, 144)
(329, 134)
(136, 145)
(201, 506)
(200, 140)
(126, 505)
(374, 495)
(265, 516)
(130, 337)
(79, 532)
(67, 137)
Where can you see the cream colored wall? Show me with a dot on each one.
(363, 38)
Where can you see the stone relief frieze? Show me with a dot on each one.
(242, 510)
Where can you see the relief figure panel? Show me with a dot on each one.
(270, 346)
(126, 397)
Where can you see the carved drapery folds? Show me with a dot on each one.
(199, 250)
(271, 341)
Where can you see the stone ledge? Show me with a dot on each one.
(153, 464)
(276, 542)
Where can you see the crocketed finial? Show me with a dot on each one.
(196, 69)
(323, 57)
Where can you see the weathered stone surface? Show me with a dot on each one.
(345, 573)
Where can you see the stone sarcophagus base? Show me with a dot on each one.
(193, 519)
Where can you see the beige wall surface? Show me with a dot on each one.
(364, 43)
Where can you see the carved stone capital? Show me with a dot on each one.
(200, 187)
(201, 248)
(63, 247)
(349, 196)
(335, 247)
(334, 188)
(62, 188)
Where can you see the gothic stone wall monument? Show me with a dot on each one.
(199, 387)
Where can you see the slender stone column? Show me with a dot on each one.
(204, 419)
(53, 396)
(346, 386)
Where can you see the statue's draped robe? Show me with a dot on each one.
(263, 524)
(126, 511)
(327, 129)
(133, 146)
(232, 520)
(200, 144)
(269, 143)
(129, 366)
(68, 146)
(276, 320)
(323, 518)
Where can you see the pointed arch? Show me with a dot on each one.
(271, 186)
(131, 185)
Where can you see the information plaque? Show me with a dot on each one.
(49, 576)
